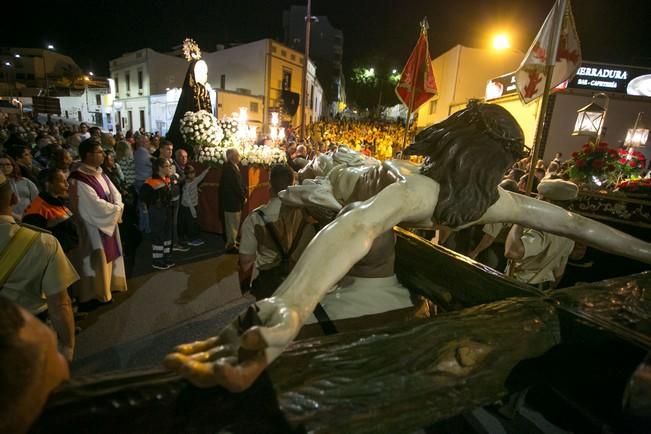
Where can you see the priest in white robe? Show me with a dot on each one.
(97, 206)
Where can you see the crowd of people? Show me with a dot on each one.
(381, 140)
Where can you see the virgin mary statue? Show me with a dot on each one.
(195, 93)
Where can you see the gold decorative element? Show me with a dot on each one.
(191, 50)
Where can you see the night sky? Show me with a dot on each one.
(610, 31)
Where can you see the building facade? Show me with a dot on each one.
(137, 77)
(326, 49)
(263, 76)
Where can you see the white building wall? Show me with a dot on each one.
(243, 67)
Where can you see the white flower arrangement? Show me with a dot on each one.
(214, 137)
(201, 129)
(250, 155)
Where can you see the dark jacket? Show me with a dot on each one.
(50, 213)
(157, 192)
(231, 189)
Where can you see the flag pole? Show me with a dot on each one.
(423, 28)
(555, 34)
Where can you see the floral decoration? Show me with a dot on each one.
(201, 129)
(631, 162)
(593, 161)
(638, 185)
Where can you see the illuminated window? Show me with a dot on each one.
(253, 107)
(432, 107)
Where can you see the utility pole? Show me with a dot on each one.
(306, 57)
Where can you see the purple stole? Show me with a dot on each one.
(109, 243)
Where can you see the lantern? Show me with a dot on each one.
(636, 137)
(590, 119)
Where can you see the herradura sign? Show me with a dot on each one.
(601, 77)
(613, 78)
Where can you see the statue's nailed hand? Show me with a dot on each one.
(236, 357)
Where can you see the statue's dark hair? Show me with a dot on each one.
(468, 154)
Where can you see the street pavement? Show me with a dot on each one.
(191, 301)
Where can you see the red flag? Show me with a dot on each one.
(530, 77)
(417, 76)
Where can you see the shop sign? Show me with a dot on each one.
(613, 78)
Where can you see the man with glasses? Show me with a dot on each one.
(97, 205)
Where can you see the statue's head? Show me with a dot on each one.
(468, 154)
(201, 72)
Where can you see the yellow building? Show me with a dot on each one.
(461, 74)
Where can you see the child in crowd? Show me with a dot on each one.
(156, 193)
(188, 225)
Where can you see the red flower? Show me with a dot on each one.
(580, 163)
(603, 145)
(622, 161)
(640, 165)
(612, 153)
(632, 163)
(575, 154)
(587, 146)
(598, 164)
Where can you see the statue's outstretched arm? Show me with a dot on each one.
(220, 361)
(544, 216)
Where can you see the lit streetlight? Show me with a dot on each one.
(50, 47)
(501, 42)
(8, 64)
(394, 71)
(17, 56)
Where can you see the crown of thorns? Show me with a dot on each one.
(493, 128)
(191, 50)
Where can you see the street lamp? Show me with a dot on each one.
(591, 118)
(501, 42)
(17, 56)
(50, 47)
(91, 73)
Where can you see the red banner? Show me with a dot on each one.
(417, 83)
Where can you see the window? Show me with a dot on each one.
(253, 107)
(127, 78)
(273, 48)
(67, 116)
(98, 99)
(432, 106)
(117, 84)
(222, 81)
(291, 56)
(283, 53)
(287, 79)
(142, 119)
(140, 79)
(79, 116)
(130, 120)
(312, 97)
(118, 117)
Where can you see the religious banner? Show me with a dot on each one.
(417, 83)
(530, 77)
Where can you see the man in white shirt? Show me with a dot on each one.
(260, 258)
(39, 282)
(536, 257)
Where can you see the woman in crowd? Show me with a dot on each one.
(62, 161)
(124, 158)
(23, 188)
(113, 171)
(49, 210)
